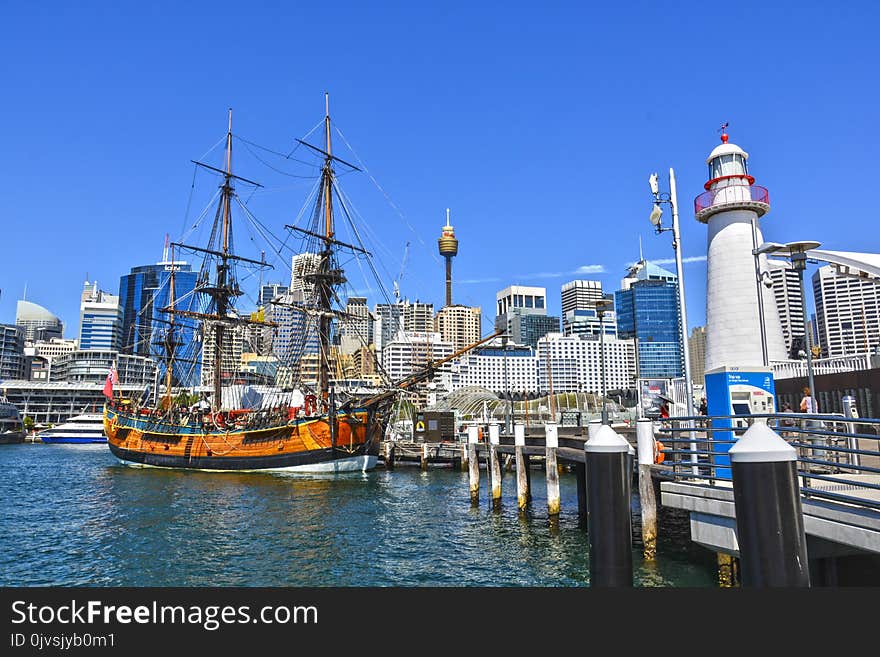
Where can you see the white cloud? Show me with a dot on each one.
(473, 281)
(671, 261)
(589, 269)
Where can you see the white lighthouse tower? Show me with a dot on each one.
(731, 207)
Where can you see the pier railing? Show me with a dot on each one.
(838, 457)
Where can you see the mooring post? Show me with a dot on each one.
(389, 455)
(769, 518)
(580, 471)
(424, 459)
(464, 457)
(609, 481)
(522, 464)
(550, 468)
(647, 499)
(473, 464)
(495, 463)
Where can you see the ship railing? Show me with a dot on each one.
(838, 458)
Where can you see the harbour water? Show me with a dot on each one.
(73, 516)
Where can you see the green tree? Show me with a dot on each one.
(28, 422)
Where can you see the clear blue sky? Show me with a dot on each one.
(536, 123)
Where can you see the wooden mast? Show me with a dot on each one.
(170, 343)
(222, 270)
(326, 279)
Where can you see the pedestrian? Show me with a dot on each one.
(704, 407)
(664, 409)
(808, 404)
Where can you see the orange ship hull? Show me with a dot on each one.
(300, 444)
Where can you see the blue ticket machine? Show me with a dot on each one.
(739, 392)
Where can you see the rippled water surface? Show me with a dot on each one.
(73, 516)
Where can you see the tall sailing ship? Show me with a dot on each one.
(295, 427)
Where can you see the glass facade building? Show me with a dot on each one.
(648, 312)
(142, 293)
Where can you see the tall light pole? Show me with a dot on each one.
(602, 306)
(656, 213)
(796, 252)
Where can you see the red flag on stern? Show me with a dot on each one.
(112, 377)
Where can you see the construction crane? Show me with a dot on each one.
(400, 275)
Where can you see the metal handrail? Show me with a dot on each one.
(825, 454)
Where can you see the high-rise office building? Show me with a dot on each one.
(269, 291)
(36, 322)
(575, 364)
(406, 315)
(522, 314)
(303, 267)
(697, 350)
(647, 312)
(356, 330)
(11, 352)
(100, 319)
(580, 295)
(460, 325)
(789, 303)
(143, 292)
(502, 369)
(847, 313)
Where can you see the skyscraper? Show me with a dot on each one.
(269, 291)
(460, 325)
(786, 288)
(100, 319)
(847, 313)
(580, 295)
(142, 294)
(647, 311)
(11, 352)
(36, 322)
(697, 347)
(303, 266)
(522, 313)
(356, 330)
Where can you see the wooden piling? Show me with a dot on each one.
(523, 492)
(389, 455)
(424, 460)
(551, 469)
(473, 465)
(495, 464)
(647, 499)
(464, 457)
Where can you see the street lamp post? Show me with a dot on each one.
(656, 213)
(602, 306)
(796, 252)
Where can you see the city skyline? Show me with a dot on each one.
(597, 98)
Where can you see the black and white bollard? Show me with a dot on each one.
(473, 464)
(389, 455)
(769, 518)
(609, 482)
(647, 499)
(522, 465)
(580, 471)
(495, 464)
(551, 468)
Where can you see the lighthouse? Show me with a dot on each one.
(448, 246)
(739, 381)
(731, 208)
